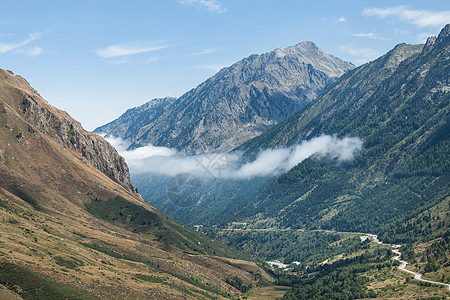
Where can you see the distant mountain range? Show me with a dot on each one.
(235, 105)
(398, 105)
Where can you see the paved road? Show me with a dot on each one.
(417, 276)
(402, 267)
(374, 237)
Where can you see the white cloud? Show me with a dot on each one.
(361, 55)
(211, 5)
(35, 51)
(166, 161)
(364, 35)
(420, 18)
(6, 47)
(276, 161)
(342, 19)
(139, 153)
(206, 51)
(129, 49)
(369, 35)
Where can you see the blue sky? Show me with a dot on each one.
(97, 58)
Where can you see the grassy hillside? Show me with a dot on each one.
(80, 233)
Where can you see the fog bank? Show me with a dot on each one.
(167, 161)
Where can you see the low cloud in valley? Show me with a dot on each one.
(167, 161)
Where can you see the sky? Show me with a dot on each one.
(96, 59)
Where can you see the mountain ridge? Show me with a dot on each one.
(224, 199)
(237, 103)
(374, 73)
(64, 129)
(399, 105)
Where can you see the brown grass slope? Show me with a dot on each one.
(69, 215)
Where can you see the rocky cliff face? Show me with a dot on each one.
(21, 97)
(235, 105)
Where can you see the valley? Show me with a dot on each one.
(73, 226)
(384, 286)
(287, 174)
(395, 185)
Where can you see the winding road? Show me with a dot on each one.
(417, 276)
(402, 267)
(374, 237)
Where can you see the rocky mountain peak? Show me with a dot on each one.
(239, 102)
(445, 32)
(305, 47)
(441, 39)
(430, 43)
(397, 55)
(308, 53)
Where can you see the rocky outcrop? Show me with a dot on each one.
(136, 118)
(65, 130)
(235, 105)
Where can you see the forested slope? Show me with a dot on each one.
(399, 106)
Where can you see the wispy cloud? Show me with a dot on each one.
(6, 47)
(276, 161)
(364, 35)
(342, 19)
(369, 35)
(420, 18)
(206, 51)
(129, 49)
(211, 5)
(166, 161)
(33, 52)
(361, 55)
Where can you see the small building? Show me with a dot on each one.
(364, 238)
(198, 227)
(275, 264)
(239, 223)
(295, 264)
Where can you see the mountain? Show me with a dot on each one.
(399, 106)
(397, 187)
(225, 199)
(73, 226)
(235, 105)
(136, 118)
(66, 131)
